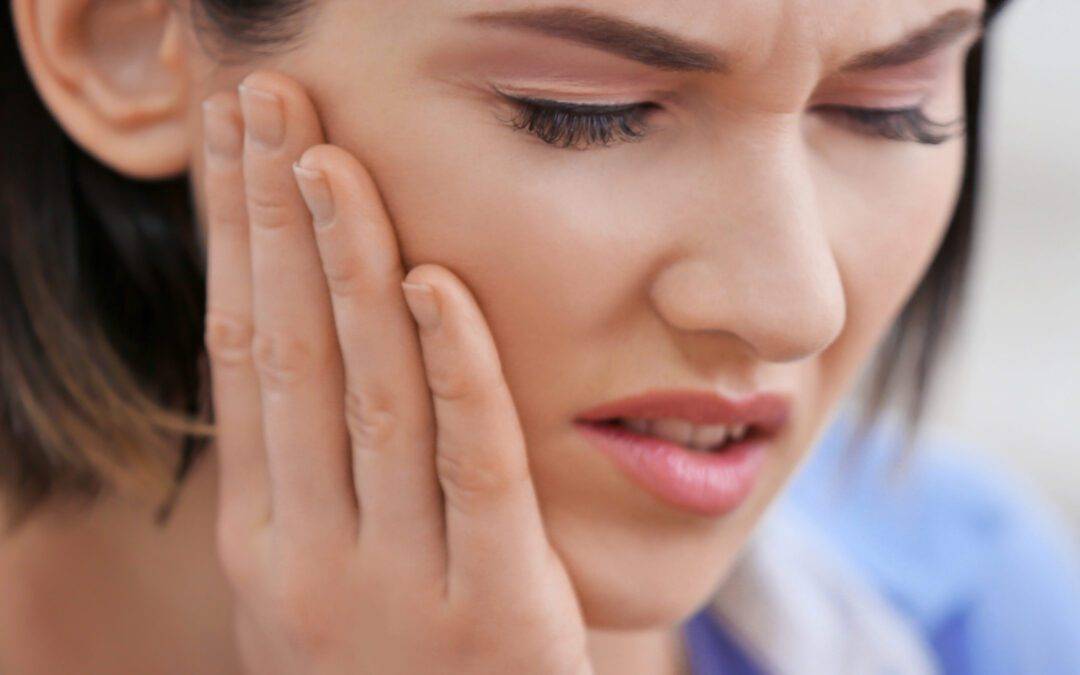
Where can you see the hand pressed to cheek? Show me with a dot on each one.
(294, 348)
(228, 320)
(433, 399)
(429, 412)
(387, 405)
(492, 512)
(317, 363)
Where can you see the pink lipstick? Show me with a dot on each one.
(707, 479)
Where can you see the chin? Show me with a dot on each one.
(645, 601)
(646, 579)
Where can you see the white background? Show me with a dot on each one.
(1011, 387)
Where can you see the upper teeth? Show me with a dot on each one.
(696, 436)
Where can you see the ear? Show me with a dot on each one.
(114, 74)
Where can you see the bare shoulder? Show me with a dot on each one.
(59, 573)
(89, 577)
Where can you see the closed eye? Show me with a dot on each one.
(897, 124)
(564, 124)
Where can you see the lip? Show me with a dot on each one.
(709, 484)
(766, 411)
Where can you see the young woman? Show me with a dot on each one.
(518, 321)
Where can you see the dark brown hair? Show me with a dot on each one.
(906, 360)
(103, 376)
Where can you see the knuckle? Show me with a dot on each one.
(267, 210)
(227, 338)
(300, 611)
(281, 358)
(370, 417)
(345, 276)
(472, 392)
(450, 381)
(465, 476)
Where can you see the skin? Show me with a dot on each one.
(567, 278)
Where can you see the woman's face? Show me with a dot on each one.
(749, 240)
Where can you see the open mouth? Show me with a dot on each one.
(702, 439)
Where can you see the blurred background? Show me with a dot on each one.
(1011, 386)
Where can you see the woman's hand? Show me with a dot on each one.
(376, 509)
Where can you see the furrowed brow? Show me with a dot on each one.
(943, 30)
(664, 50)
(646, 44)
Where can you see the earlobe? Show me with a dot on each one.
(114, 74)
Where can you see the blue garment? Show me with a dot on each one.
(978, 564)
(711, 650)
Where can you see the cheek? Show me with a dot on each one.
(888, 226)
(889, 205)
(547, 243)
(574, 230)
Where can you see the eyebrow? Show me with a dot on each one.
(664, 50)
(943, 30)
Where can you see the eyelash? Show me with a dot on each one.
(563, 124)
(900, 124)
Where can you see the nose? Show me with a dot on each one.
(755, 260)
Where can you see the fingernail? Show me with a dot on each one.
(264, 116)
(423, 304)
(316, 193)
(221, 131)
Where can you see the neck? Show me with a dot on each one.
(126, 530)
(655, 652)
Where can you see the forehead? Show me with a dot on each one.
(756, 33)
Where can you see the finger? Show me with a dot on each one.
(494, 531)
(294, 348)
(244, 484)
(388, 407)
